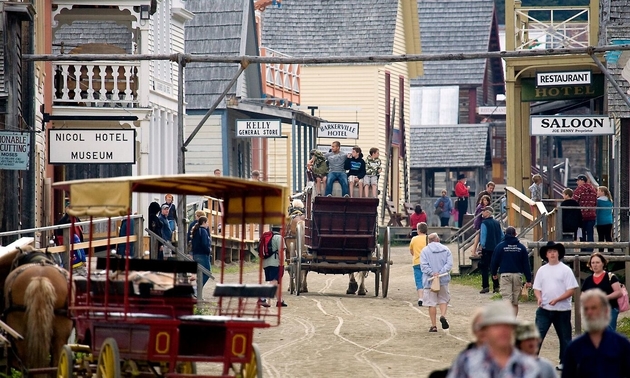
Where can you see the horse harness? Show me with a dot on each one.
(23, 262)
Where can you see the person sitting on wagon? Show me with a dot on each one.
(356, 170)
(337, 172)
(318, 168)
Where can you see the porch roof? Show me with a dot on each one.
(449, 146)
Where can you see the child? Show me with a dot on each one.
(372, 171)
(415, 248)
(571, 218)
(536, 188)
(319, 167)
(355, 165)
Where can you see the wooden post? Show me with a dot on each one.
(576, 296)
(626, 252)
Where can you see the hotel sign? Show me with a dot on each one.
(557, 79)
(571, 125)
(531, 92)
(91, 146)
(338, 130)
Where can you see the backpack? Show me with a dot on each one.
(320, 165)
(265, 249)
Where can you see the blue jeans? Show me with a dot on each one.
(203, 260)
(587, 233)
(561, 321)
(614, 314)
(343, 181)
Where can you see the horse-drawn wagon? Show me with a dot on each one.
(126, 326)
(337, 235)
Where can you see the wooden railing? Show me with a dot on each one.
(523, 213)
(96, 84)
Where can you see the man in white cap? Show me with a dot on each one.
(600, 352)
(528, 342)
(498, 357)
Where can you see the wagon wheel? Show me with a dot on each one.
(377, 273)
(66, 363)
(385, 263)
(253, 368)
(108, 360)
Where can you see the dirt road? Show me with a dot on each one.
(326, 333)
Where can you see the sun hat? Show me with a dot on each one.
(500, 312)
(552, 245)
(461, 176)
(582, 177)
(526, 331)
(165, 206)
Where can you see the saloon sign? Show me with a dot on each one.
(571, 125)
(338, 130)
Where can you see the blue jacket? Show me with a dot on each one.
(610, 359)
(491, 234)
(201, 242)
(120, 249)
(510, 256)
(167, 233)
(435, 258)
(604, 216)
(447, 206)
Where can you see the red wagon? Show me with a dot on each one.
(127, 326)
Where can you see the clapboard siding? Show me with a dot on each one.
(205, 151)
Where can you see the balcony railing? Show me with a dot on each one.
(551, 28)
(96, 84)
(281, 81)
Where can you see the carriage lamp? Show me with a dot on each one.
(144, 12)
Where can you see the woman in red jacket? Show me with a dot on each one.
(418, 216)
(462, 194)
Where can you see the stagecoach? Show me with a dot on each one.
(127, 325)
(338, 236)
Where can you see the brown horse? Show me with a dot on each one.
(35, 305)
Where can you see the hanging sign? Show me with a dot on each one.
(571, 125)
(14, 150)
(338, 130)
(531, 92)
(559, 79)
(92, 146)
(258, 128)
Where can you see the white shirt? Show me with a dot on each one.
(553, 281)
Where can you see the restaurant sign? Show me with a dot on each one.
(556, 79)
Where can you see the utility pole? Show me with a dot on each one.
(181, 152)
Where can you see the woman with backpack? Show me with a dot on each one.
(202, 244)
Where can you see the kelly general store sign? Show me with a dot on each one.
(91, 146)
(338, 130)
(258, 128)
(571, 125)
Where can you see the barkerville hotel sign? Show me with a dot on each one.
(338, 130)
(571, 125)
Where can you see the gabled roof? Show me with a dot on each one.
(454, 26)
(219, 27)
(449, 146)
(331, 27)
